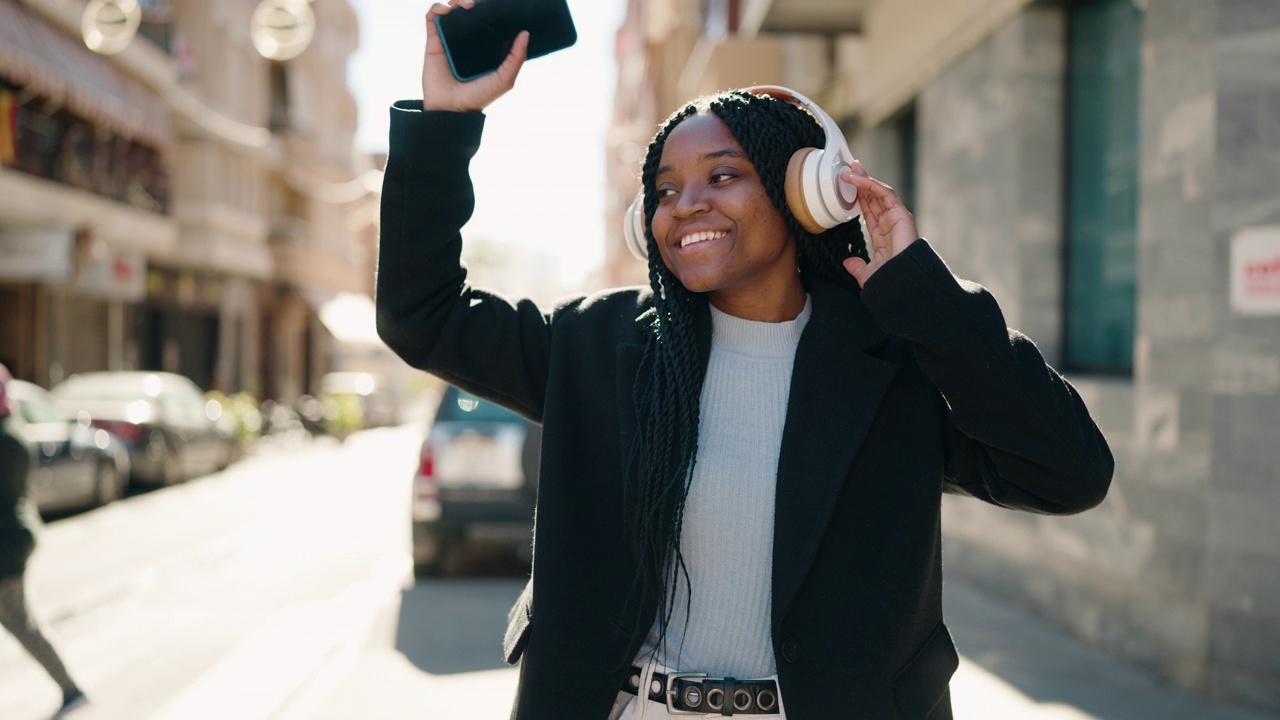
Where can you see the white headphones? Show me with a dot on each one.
(816, 195)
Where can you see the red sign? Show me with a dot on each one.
(1255, 271)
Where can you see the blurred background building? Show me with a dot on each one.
(184, 205)
(1108, 169)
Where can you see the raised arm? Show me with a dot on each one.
(427, 312)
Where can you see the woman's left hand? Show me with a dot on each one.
(890, 226)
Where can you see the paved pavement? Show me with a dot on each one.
(1013, 667)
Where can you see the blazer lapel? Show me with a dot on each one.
(836, 388)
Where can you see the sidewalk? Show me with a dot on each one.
(1013, 667)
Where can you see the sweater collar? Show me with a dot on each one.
(758, 339)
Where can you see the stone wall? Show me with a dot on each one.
(1242, 401)
(1179, 570)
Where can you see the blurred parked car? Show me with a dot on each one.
(76, 465)
(378, 406)
(477, 480)
(163, 418)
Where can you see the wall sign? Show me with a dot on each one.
(114, 274)
(41, 255)
(1255, 271)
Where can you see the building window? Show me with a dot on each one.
(280, 96)
(1104, 51)
(157, 23)
(720, 18)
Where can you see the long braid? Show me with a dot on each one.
(667, 393)
(668, 389)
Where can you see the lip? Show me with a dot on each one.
(699, 245)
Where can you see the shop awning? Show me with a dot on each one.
(53, 64)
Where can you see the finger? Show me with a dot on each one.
(847, 176)
(872, 204)
(876, 197)
(859, 269)
(510, 66)
(881, 191)
(879, 188)
(433, 38)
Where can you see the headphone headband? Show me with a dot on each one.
(835, 137)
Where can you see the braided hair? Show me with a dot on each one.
(668, 388)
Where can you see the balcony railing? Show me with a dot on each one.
(56, 144)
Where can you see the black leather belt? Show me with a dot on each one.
(697, 694)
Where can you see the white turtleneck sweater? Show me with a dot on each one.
(727, 535)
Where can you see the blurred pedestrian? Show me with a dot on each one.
(743, 463)
(18, 522)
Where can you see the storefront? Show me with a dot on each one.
(84, 200)
(177, 328)
(65, 300)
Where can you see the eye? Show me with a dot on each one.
(719, 177)
(664, 192)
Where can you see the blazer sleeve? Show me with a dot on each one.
(427, 312)
(1018, 434)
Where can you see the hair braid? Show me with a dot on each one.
(668, 389)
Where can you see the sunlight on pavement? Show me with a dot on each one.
(976, 694)
(387, 685)
(260, 675)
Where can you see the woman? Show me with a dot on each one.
(743, 463)
(18, 521)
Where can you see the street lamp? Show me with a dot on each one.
(282, 29)
(108, 26)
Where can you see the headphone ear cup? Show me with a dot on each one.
(797, 199)
(633, 228)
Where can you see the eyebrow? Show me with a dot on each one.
(727, 152)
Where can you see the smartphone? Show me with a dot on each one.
(476, 41)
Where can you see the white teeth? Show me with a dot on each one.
(688, 240)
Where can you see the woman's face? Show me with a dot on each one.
(715, 226)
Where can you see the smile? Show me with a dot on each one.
(698, 237)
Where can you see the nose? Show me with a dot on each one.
(691, 203)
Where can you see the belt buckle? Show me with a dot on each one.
(671, 692)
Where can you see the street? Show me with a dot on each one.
(281, 588)
(219, 596)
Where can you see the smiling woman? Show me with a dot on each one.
(742, 463)
(717, 230)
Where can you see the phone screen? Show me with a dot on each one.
(476, 41)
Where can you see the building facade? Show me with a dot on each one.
(1107, 169)
(85, 147)
(185, 205)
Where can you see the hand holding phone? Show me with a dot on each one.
(442, 91)
(477, 39)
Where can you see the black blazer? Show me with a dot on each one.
(908, 389)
